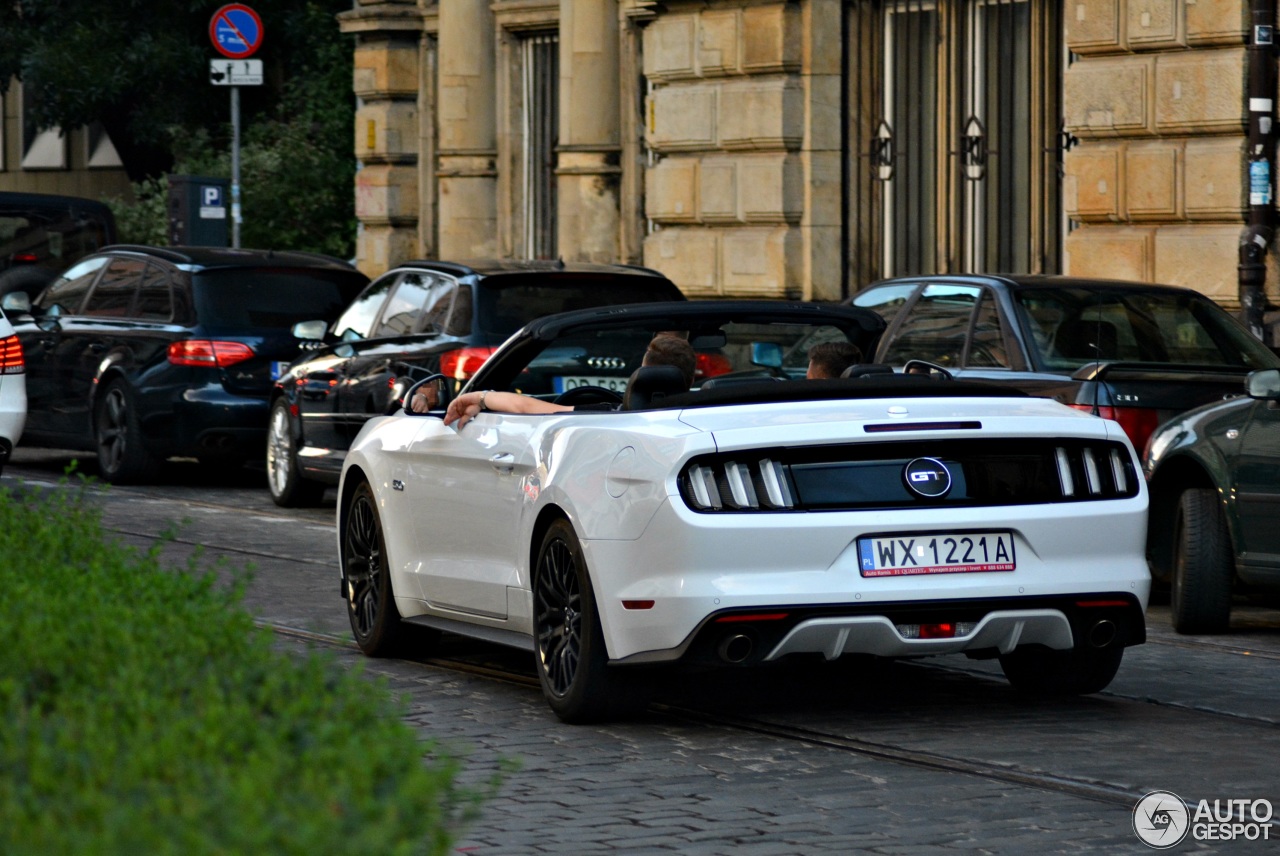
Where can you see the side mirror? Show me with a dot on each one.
(50, 321)
(1263, 384)
(310, 330)
(16, 303)
(767, 354)
(429, 395)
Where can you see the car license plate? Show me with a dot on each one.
(936, 553)
(278, 369)
(617, 384)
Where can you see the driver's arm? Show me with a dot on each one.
(467, 406)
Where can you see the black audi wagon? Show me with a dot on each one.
(144, 353)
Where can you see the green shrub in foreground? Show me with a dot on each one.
(142, 712)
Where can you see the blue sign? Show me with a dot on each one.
(212, 206)
(236, 31)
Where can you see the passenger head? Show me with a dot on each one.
(830, 359)
(667, 350)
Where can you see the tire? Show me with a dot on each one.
(122, 456)
(1037, 670)
(569, 650)
(289, 489)
(1203, 566)
(371, 604)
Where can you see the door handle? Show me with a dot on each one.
(503, 462)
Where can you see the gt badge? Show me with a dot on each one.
(927, 477)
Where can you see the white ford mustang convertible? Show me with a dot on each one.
(754, 517)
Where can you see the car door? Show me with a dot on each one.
(47, 344)
(470, 485)
(405, 331)
(321, 372)
(1257, 486)
(103, 330)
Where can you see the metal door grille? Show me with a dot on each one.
(541, 127)
(951, 145)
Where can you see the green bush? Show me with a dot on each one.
(142, 711)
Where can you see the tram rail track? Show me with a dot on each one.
(1041, 780)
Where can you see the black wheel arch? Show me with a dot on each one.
(547, 516)
(355, 477)
(1167, 485)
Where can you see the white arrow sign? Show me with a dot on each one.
(235, 72)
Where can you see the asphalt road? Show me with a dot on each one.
(929, 756)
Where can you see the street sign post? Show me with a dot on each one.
(235, 72)
(236, 32)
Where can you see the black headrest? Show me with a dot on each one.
(864, 369)
(650, 384)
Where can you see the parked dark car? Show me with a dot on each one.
(143, 353)
(41, 235)
(425, 317)
(1214, 480)
(1134, 352)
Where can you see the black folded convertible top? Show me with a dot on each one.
(890, 387)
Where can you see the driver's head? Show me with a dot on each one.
(830, 359)
(667, 350)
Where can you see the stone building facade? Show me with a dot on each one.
(800, 148)
(1158, 182)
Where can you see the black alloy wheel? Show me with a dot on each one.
(289, 489)
(570, 655)
(1203, 564)
(122, 456)
(371, 605)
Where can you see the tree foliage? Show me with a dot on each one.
(141, 68)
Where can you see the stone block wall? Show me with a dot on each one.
(742, 146)
(1156, 185)
(386, 77)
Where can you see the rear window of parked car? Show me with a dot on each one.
(505, 308)
(271, 298)
(1071, 327)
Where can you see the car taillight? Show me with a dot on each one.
(11, 361)
(208, 353)
(464, 362)
(1137, 422)
(710, 365)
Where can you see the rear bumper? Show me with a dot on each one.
(209, 421)
(696, 568)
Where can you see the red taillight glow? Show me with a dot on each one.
(1137, 422)
(464, 362)
(25, 258)
(207, 353)
(751, 616)
(11, 361)
(710, 365)
(1100, 603)
(937, 631)
(637, 604)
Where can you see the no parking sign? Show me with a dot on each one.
(236, 31)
